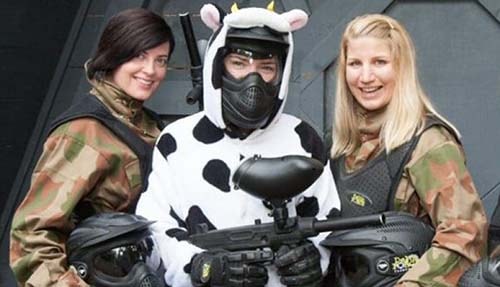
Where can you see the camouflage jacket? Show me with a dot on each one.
(82, 160)
(437, 187)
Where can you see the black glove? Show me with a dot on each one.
(224, 268)
(299, 266)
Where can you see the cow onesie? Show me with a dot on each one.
(194, 159)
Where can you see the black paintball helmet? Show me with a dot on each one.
(375, 256)
(261, 40)
(485, 273)
(254, 42)
(115, 249)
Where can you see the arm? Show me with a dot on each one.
(447, 194)
(162, 202)
(42, 221)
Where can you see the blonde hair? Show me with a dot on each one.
(408, 106)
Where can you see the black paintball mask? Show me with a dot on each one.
(250, 103)
(116, 249)
(486, 272)
(376, 256)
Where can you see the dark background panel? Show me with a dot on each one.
(33, 37)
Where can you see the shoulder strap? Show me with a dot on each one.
(90, 106)
(397, 160)
(155, 117)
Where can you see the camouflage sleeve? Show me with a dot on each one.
(63, 175)
(447, 194)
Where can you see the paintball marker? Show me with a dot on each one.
(276, 180)
(196, 94)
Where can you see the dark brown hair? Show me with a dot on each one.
(126, 35)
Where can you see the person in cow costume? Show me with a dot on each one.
(245, 83)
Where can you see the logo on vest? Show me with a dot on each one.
(359, 199)
(403, 263)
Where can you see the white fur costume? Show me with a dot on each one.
(194, 160)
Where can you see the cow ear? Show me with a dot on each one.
(212, 16)
(296, 18)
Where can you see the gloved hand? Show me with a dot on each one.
(299, 266)
(224, 268)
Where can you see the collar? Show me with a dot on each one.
(370, 123)
(124, 107)
(120, 104)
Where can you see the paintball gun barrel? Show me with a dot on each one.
(263, 235)
(196, 94)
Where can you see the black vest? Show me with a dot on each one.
(371, 189)
(90, 106)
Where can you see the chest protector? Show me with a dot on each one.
(371, 188)
(89, 106)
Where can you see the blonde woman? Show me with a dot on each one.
(393, 151)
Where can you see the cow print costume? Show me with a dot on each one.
(194, 160)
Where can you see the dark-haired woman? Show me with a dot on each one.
(97, 154)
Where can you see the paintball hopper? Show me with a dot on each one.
(277, 178)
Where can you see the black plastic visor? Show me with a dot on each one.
(250, 54)
(119, 261)
(355, 269)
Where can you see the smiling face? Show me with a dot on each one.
(370, 72)
(140, 77)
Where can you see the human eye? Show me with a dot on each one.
(269, 68)
(353, 63)
(162, 61)
(140, 57)
(238, 63)
(380, 62)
